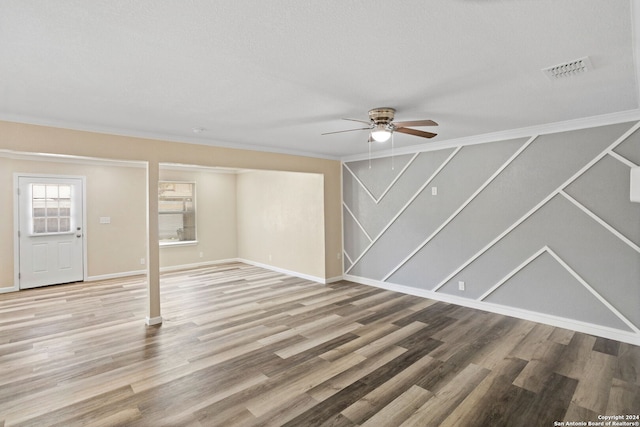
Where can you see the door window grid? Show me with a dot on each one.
(51, 208)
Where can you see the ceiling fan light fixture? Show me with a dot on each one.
(380, 133)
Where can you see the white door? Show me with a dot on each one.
(50, 216)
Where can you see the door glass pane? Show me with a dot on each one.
(65, 191)
(52, 225)
(39, 225)
(39, 191)
(51, 208)
(52, 191)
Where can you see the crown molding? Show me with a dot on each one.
(526, 132)
(159, 136)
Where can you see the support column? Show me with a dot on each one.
(153, 249)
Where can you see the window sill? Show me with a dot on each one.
(179, 243)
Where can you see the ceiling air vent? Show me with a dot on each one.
(568, 69)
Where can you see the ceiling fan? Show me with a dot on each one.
(381, 125)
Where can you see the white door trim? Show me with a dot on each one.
(16, 224)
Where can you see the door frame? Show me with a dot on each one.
(16, 222)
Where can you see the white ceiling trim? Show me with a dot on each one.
(159, 136)
(70, 159)
(576, 124)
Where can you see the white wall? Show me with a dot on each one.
(117, 192)
(215, 217)
(280, 220)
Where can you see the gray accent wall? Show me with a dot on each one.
(541, 225)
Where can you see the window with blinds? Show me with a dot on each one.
(177, 211)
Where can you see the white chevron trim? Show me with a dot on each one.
(356, 220)
(513, 273)
(539, 205)
(622, 159)
(346, 255)
(464, 205)
(364, 187)
(593, 291)
(600, 221)
(384, 193)
(417, 193)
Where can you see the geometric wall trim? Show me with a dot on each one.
(518, 221)
(630, 148)
(568, 295)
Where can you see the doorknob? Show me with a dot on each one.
(78, 235)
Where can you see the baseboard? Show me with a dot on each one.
(162, 270)
(114, 275)
(560, 322)
(284, 271)
(197, 265)
(150, 321)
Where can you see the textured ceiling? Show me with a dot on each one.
(276, 74)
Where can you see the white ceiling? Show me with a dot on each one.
(274, 75)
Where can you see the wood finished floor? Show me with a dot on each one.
(245, 346)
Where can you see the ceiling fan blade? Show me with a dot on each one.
(415, 123)
(416, 132)
(366, 122)
(340, 131)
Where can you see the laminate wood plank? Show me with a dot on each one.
(192, 402)
(436, 409)
(363, 294)
(573, 360)
(390, 339)
(428, 314)
(228, 406)
(487, 403)
(342, 380)
(385, 394)
(317, 339)
(599, 370)
(478, 333)
(561, 336)
(498, 348)
(529, 347)
(261, 404)
(534, 376)
(286, 411)
(546, 407)
(278, 365)
(606, 346)
(65, 414)
(387, 308)
(628, 364)
(362, 340)
(388, 320)
(576, 413)
(242, 346)
(324, 410)
(124, 417)
(401, 408)
(623, 395)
